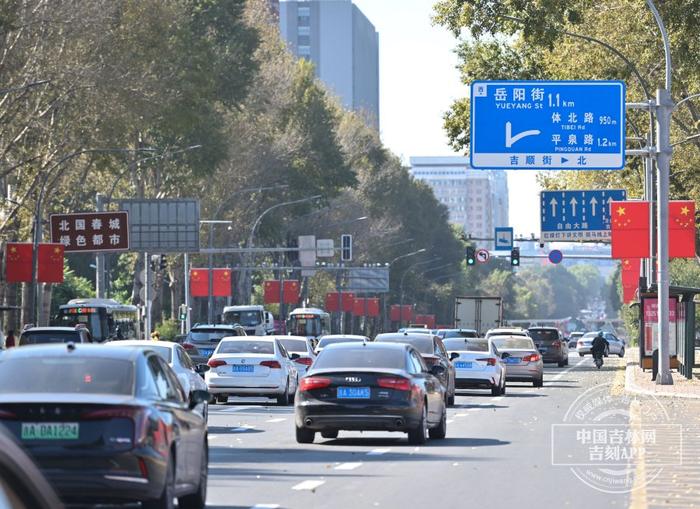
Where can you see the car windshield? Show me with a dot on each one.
(361, 357)
(244, 318)
(460, 334)
(544, 334)
(42, 337)
(423, 345)
(473, 345)
(260, 347)
(211, 334)
(294, 345)
(513, 343)
(87, 375)
(324, 342)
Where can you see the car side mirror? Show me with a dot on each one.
(505, 355)
(294, 356)
(437, 370)
(197, 397)
(454, 355)
(201, 368)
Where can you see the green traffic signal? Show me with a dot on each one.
(471, 256)
(515, 256)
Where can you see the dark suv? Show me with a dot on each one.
(551, 344)
(43, 335)
(202, 339)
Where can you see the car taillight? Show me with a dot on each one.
(488, 360)
(556, 345)
(271, 364)
(531, 358)
(311, 383)
(396, 383)
(306, 361)
(215, 363)
(138, 415)
(4, 414)
(188, 346)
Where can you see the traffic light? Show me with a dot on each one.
(183, 312)
(515, 257)
(471, 256)
(346, 247)
(163, 262)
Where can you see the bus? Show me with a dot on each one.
(310, 322)
(106, 319)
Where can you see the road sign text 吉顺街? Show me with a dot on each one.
(577, 215)
(550, 125)
(504, 239)
(91, 231)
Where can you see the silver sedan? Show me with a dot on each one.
(615, 345)
(521, 358)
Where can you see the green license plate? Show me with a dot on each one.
(50, 430)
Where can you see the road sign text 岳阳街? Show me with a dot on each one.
(550, 125)
(577, 215)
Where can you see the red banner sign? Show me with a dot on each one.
(18, 268)
(427, 320)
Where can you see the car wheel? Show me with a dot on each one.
(167, 498)
(538, 383)
(561, 364)
(440, 431)
(622, 353)
(283, 399)
(198, 499)
(418, 435)
(566, 362)
(451, 400)
(503, 390)
(496, 391)
(580, 354)
(331, 433)
(222, 398)
(304, 435)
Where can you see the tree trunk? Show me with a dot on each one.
(45, 310)
(26, 316)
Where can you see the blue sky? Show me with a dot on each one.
(418, 82)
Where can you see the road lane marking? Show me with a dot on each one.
(279, 419)
(308, 485)
(450, 421)
(462, 414)
(378, 452)
(243, 428)
(230, 409)
(497, 398)
(562, 373)
(349, 466)
(266, 506)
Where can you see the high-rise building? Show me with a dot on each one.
(343, 45)
(477, 200)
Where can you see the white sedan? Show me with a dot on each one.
(188, 374)
(300, 350)
(477, 365)
(252, 366)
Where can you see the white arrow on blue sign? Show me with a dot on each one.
(577, 215)
(550, 125)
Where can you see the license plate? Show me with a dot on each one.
(463, 365)
(50, 430)
(353, 393)
(205, 351)
(512, 360)
(242, 368)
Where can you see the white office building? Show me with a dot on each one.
(477, 200)
(343, 45)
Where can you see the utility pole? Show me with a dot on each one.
(100, 282)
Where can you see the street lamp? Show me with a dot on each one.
(403, 277)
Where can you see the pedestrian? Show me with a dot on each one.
(10, 339)
(155, 336)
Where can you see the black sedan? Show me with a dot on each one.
(106, 424)
(371, 387)
(434, 353)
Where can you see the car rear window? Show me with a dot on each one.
(86, 375)
(361, 357)
(294, 345)
(515, 343)
(460, 334)
(164, 352)
(469, 345)
(544, 334)
(423, 345)
(43, 337)
(211, 334)
(324, 342)
(262, 347)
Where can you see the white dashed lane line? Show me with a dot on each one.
(349, 466)
(308, 485)
(562, 373)
(378, 452)
(278, 419)
(266, 506)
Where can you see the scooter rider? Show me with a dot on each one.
(599, 345)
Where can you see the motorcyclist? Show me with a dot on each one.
(599, 345)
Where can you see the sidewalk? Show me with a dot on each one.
(639, 382)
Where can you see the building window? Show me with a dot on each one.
(303, 30)
(304, 51)
(303, 40)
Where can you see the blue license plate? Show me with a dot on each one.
(463, 365)
(206, 352)
(353, 393)
(512, 360)
(242, 368)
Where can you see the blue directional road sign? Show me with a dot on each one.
(577, 215)
(548, 125)
(504, 238)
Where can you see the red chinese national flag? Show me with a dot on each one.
(629, 229)
(348, 301)
(630, 278)
(271, 291)
(407, 313)
(373, 307)
(395, 312)
(427, 320)
(681, 232)
(50, 263)
(358, 307)
(332, 302)
(222, 283)
(199, 282)
(292, 291)
(18, 268)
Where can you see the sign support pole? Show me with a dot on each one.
(147, 294)
(100, 257)
(187, 291)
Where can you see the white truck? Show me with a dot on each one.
(253, 318)
(478, 313)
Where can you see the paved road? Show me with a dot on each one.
(498, 454)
